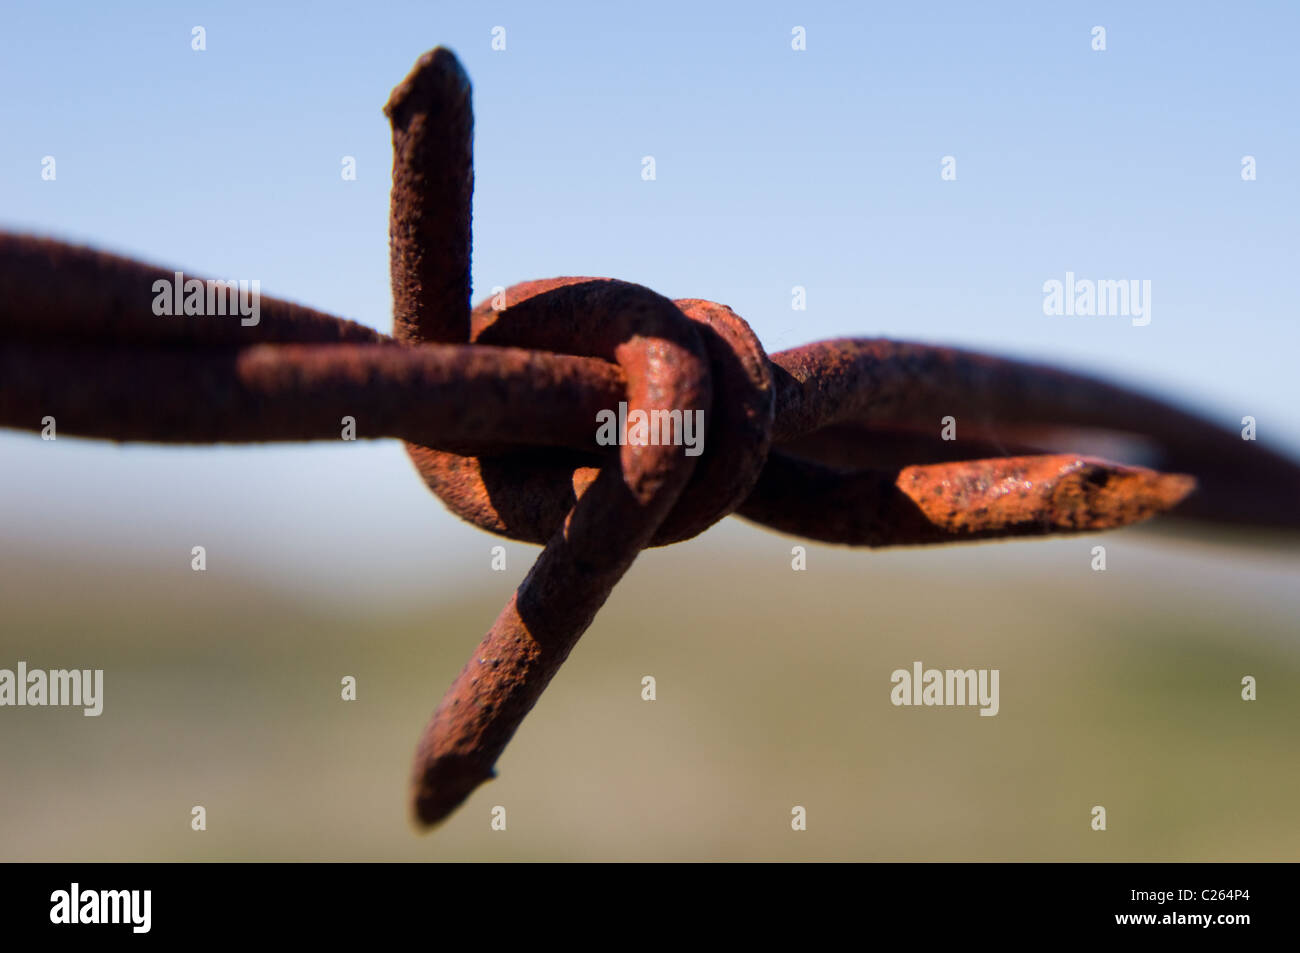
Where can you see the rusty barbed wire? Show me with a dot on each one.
(835, 441)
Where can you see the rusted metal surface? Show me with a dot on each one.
(433, 182)
(1009, 406)
(838, 441)
(998, 498)
(613, 519)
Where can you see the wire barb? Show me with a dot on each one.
(836, 441)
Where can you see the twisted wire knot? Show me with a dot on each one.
(684, 357)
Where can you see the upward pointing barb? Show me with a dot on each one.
(433, 187)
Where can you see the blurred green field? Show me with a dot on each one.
(1119, 688)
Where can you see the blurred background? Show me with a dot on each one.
(774, 168)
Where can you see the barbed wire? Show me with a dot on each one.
(836, 441)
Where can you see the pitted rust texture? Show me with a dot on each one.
(1001, 498)
(838, 441)
(568, 314)
(433, 183)
(666, 366)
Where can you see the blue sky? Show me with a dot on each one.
(774, 168)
